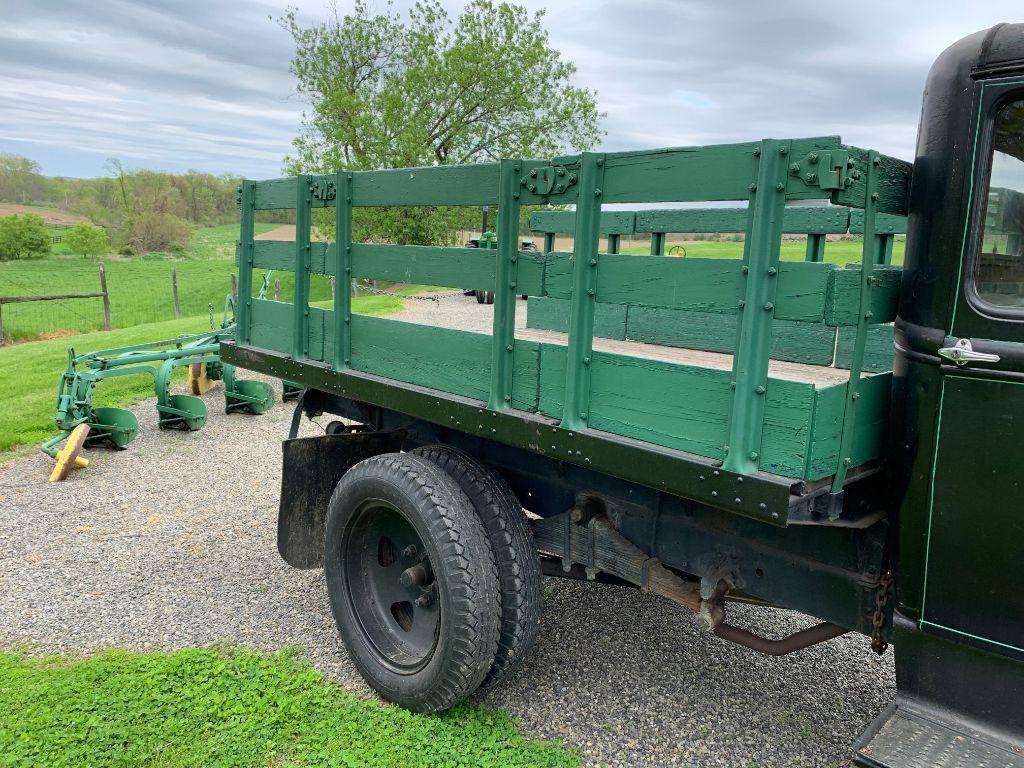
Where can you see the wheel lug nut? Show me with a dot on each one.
(410, 551)
(424, 600)
(415, 576)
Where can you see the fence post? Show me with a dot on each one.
(277, 290)
(106, 298)
(1, 323)
(174, 292)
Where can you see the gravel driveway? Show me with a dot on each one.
(171, 543)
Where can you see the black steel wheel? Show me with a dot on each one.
(518, 565)
(412, 581)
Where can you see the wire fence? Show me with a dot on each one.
(139, 292)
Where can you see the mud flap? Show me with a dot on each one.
(312, 467)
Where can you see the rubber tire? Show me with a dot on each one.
(522, 598)
(464, 570)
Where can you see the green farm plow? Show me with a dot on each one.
(83, 424)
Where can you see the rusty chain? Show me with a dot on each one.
(878, 642)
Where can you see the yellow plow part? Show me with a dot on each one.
(67, 457)
(198, 382)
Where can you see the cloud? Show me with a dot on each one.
(200, 84)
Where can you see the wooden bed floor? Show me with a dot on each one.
(463, 313)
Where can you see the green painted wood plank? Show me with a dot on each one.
(564, 222)
(270, 325)
(885, 223)
(475, 184)
(415, 264)
(893, 183)
(280, 193)
(680, 174)
(810, 343)
(273, 323)
(553, 315)
(452, 361)
(702, 284)
(794, 341)
(870, 429)
(682, 407)
(279, 255)
(799, 220)
(842, 300)
(455, 267)
(878, 350)
(425, 265)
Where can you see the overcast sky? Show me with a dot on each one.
(204, 84)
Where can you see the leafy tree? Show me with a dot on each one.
(87, 240)
(23, 237)
(156, 231)
(21, 180)
(432, 90)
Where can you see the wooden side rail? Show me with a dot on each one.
(758, 292)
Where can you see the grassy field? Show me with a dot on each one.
(232, 708)
(29, 373)
(838, 252)
(140, 288)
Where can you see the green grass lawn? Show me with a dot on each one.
(838, 252)
(232, 708)
(29, 373)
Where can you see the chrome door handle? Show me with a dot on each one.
(963, 353)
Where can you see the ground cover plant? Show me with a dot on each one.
(232, 708)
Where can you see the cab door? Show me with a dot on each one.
(973, 589)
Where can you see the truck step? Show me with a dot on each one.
(904, 739)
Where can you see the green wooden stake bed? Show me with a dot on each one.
(669, 434)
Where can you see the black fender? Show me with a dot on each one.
(312, 468)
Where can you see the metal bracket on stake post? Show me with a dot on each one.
(757, 308)
(303, 265)
(342, 270)
(868, 259)
(243, 307)
(584, 289)
(503, 337)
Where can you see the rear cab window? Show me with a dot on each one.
(999, 264)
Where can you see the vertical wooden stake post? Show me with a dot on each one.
(756, 306)
(342, 271)
(106, 298)
(174, 293)
(243, 308)
(507, 269)
(303, 265)
(584, 292)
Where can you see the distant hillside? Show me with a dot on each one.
(50, 216)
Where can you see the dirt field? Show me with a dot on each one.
(50, 216)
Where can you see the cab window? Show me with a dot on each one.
(999, 265)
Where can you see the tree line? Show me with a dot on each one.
(139, 210)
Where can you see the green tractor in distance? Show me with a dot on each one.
(489, 239)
